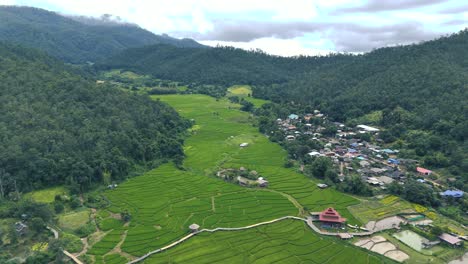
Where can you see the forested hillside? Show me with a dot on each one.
(220, 65)
(58, 128)
(74, 40)
(419, 91)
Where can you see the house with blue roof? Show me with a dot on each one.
(350, 150)
(393, 161)
(293, 117)
(452, 193)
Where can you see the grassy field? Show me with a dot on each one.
(283, 242)
(46, 195)
(74, 220)
(244, 91)
(165, 201)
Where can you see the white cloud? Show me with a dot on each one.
(281, 47)
(200, 17)
(7, 2)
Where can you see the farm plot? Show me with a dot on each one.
(371, 210)
(209, 149)
(165, 201)
(282, 242)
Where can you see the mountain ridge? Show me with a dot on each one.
(73, 41)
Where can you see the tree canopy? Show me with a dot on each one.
(57, 127)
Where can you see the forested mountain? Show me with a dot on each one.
(58, 128)
(220, 65)
(75, 40)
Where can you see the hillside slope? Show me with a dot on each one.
(58, 128)
(71, 40)
(220, 65)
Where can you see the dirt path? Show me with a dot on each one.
(85, 247)
(292, 200)
(56, 236)
(213, 207)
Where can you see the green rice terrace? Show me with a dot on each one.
(165, 201)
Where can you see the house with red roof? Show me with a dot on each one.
(423, 171)
(330, 215)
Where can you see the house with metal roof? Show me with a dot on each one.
(452, 193)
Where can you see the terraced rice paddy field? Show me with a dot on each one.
(282, 242)
(165, 201)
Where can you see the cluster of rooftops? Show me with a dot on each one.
(378, 166)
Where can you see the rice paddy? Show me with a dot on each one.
(165, 201)
(283, 242)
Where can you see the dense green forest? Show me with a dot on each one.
(57, 127)
(74, 40)
(221, 65)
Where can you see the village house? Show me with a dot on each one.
(364, 163)
(21, 228)
(242, 181)
(243, 145)
(452, 193)
(322, 185)
(368, 128)
(393, 161)
(423, 171)
(451, 240)
(262, 182)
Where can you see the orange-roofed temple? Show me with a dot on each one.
(330, 215)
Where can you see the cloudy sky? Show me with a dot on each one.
(282, 27)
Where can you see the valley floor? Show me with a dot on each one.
(165, 201)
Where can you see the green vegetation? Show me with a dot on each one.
(46, 195)
(107, 243)
(74, 220)
(223, 66)
(372, 210)
(346, 87)
(59, 128)
(215, 145)
(417, 92)
(283, 242)
(165, 201)
(184, 198)
(245, 92)
(75, 39)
